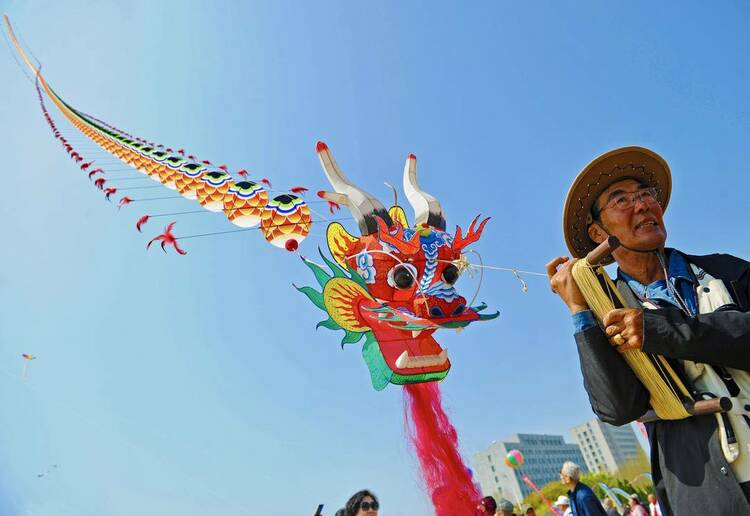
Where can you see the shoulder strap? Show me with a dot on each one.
(627, 295)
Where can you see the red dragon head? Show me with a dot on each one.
(394, 284)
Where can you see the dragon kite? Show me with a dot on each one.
(392, 286)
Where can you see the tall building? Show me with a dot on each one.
(543, 456)
(606, 447)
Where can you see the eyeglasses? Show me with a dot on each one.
(366, 506)
(626, 200)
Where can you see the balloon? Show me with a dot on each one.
(514, 459)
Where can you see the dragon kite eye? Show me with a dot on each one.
(450, 274)
(402, 276)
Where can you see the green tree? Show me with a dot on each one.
(554, 489)
(635, 468)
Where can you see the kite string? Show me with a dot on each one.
(480, 266)
(176, 213)
(315, 212)
(463, 264)
(214, 233)
(126, 178)
(481, 276)
(161, 199)
(249, 229)
(516, 272)
(139, 188)
(507, 269)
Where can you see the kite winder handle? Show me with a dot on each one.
(696, 408)
(603, 250)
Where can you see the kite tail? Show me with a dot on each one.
(446, 477)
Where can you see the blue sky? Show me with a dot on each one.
(198, 385)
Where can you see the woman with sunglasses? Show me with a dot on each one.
(362, 503)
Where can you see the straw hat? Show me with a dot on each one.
(637, 163)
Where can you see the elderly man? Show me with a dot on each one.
(689, 309)
(504, 508)
(583, 501)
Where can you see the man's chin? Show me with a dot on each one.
(645, 243)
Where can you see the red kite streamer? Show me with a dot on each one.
(435, 441)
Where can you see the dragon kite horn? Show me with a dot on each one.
(365, 208)
(472, 235)
(427, 209)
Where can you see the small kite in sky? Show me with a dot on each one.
(26, 359)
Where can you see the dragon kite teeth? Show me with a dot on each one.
(404, 361)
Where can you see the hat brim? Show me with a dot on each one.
(616, 165)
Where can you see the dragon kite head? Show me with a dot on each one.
(394, 284)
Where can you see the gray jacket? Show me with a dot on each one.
(690, 473)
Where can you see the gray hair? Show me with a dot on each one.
(572, 470)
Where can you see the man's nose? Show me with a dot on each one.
(639, 205)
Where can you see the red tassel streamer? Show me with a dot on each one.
(435, 441)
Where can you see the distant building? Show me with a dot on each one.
(543, 456)
(606, 447)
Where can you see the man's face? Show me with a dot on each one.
(530, 511)
(651, 498)
(639, 226)
(564, 479)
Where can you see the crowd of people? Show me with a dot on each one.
(580, 501)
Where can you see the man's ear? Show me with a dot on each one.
(597, 233)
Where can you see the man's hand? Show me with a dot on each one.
(628, 323)
(562, 283)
